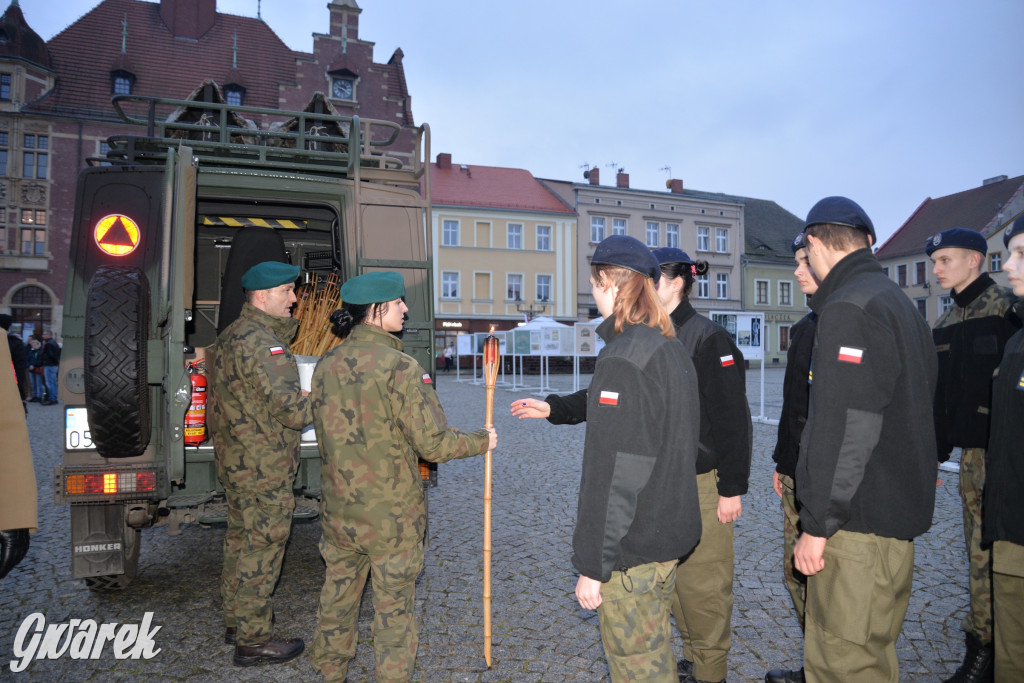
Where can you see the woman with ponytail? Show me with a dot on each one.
(638, 511)
(375, 413)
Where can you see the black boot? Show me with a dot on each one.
(978, 666)
(784, 676)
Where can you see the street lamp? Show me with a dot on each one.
(530, 310)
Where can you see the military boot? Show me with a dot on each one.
(273, 650)
(783, 676)
(978, 666)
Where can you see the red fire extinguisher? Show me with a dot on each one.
(195, 416)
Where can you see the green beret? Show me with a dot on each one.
(268, 275)
(373, 288)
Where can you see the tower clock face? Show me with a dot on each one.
(342, 88)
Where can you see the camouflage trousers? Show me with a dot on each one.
(978, 621)
(258, 528)
(703, 599)
(1008, 596)
(796, 583)
(635, 627)
(393, 577)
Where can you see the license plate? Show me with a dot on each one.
(76, 430)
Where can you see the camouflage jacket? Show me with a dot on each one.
(375, 411)
(256, 407)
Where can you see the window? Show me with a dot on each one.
(653, 228)
(5, 86)
(102, 148)
(901, 275)
(885, 269)
(618, 226)
(721, 240)
(784, 337)
(32, 304)
(995, 261)
(515, 286)
(703, 287)
(672, 235)
(3, 154)
(233, 94)
(515, 236)
(543, 238)
(945, 303)
(543, 288)
(450, 284)
(922, 307)
(703, 238)
(33, 239)
(35, 162)
(122, 85)
(722, 285)
(450, 233)
(919, 272)
(761, 293)
(785, 293)
(596, 228)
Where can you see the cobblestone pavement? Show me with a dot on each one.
(540, 633)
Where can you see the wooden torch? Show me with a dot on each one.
(492, 359)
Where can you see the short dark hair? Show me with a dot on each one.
(839, 237)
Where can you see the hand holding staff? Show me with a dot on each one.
(491, 362)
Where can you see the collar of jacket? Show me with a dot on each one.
(681, 313)
(371, 334)
(284, 328)
(606, 330)
(972, 291)
(855, 263)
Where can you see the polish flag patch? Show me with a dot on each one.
(727, 361)
(426, 379)
(276, 350)
(849, 354)
(609, 398)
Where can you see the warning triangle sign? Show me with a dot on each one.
(117, 235)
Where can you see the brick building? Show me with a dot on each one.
(56, 110)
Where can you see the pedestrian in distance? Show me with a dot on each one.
(865, 477)
(50, 359)
(638, 507)
(257, 412)
(969, 339)
(35, 370)
(376, 413)
(18, 516)
(449, 353)
(19, 356)
(795, 398)
(1003, 507)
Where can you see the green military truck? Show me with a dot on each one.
(164, 226)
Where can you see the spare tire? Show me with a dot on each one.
(116, 334)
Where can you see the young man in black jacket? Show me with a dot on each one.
(969, 339)
(866, 473)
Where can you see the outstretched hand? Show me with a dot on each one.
(530, 407)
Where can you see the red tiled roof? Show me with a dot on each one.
(19, 40)
(974, 209)
(492, 187)
(84, 52)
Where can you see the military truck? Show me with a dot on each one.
(164, 226)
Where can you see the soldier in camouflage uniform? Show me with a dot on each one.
(256, 413)
(375, 412)
(969, 338)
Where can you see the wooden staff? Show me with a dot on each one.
(491, 358)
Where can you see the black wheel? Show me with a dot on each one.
(116, 332)
(116, 582)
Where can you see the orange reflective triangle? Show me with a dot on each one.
(117, 235)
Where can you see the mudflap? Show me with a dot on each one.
(98, 541)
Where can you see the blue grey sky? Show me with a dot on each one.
(887, 102)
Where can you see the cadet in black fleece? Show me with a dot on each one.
(865, 478)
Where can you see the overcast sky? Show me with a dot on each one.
(885, 102)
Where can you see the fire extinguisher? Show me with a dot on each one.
(195, 416)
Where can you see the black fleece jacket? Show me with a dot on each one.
(796, 394)
(867, 455)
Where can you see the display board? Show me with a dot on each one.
(747, 330)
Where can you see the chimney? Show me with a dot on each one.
(188, 18)
(993, 181)
(675, 185)
(444, 160)
(594, 176)
(344, 19)
(621, 179)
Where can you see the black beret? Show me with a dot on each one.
(627, 252)
(956, 237)
(672, 255)
(268, 275)
(840, 211)
(1015, 229)
(798, 242)
(374, 287)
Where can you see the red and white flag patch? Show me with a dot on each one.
(609, 398)
(276, 350)
(727, 361)
(426, 379)
(850, 354)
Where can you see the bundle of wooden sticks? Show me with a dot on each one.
(317, 300)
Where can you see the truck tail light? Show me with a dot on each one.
(112, 483)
